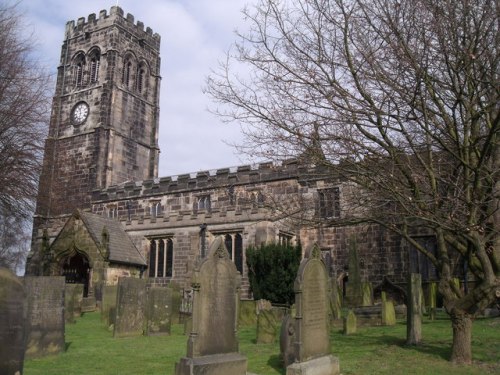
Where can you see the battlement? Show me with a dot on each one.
(116, 15)
(204, 180)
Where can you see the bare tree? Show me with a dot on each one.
(24, 109)
(400, 97)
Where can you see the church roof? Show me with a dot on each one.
(121, 248)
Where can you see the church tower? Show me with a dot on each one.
(104, 121)
(105, 114)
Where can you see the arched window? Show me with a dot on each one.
(234, 246)
(126, 72)
(161, 258)
(94, 68)
(79, 70)
(141, 73)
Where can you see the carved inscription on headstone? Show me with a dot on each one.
(130, 303)
(45, 315)
(11, 323)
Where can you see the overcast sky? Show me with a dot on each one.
(195, 34)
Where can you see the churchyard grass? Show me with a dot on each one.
(92, 350)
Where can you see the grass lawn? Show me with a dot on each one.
(92, 350)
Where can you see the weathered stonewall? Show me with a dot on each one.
(311, 339)
(45, 315)
(212, 344)
(130, 303)
(73, 296)
(159, 311)
(414, 316)
(11, 323)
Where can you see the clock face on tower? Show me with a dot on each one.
(79, 113)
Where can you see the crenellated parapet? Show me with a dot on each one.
(203, 180)
(115, 16)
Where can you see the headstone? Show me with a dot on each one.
(432, 300)
(45, 315)
(287, 333)
(311, 341)
(89, 304)
(388, 313)
(335, 300)
(12, 320)
(73, 296)
(247, 315)
(350, 323)
(176, 302)
(108, 304)
(414, 315)
(367, 294)
(212, 344)
(269, 324)
(354, 291)
(130, 303)
(159, 311)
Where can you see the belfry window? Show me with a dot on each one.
(127, 69)
(161, 258)
(140, 79)
(94, 69)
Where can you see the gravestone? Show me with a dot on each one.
(311, 336)
(350, 323)
(335, 301)
(44, 315)
(212, 344)
(269, 324)
(130, 303)
(247, 315)
(12, 316)
(354, 289)
(176, 303)
(159, 311)
(388, 311)
(108, 304)
(73, 296)
(414, 314)
(89, 304)
(432, 300)
(367, 294)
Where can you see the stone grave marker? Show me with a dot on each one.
(350, 323)
(311, 337)
(130, 304)
(159, 311)
(354, 289)
(269, 324)
(388, 311)
(176, 303)
(73, 296)
(247, 315)
(108, 304)
(44, 315)
(12, 322)
(335, 300)
(414, 315)
(212, 344)
(432, 300)
(89, 304)
(367, 294)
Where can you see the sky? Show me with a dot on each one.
(195, 35)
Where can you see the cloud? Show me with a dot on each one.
(194, 35)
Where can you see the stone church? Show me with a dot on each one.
(103, 212)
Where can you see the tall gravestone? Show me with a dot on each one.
(311, 332)
(130, 305)
(44, 315)
(73, 296)
(335, 300)
(108, 304)
(11, 323)
(212, 347)
(159, 311)
(354, 288)
(414, 317)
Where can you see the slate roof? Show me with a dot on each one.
(121, 247)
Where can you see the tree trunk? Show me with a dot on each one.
(461, 350)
